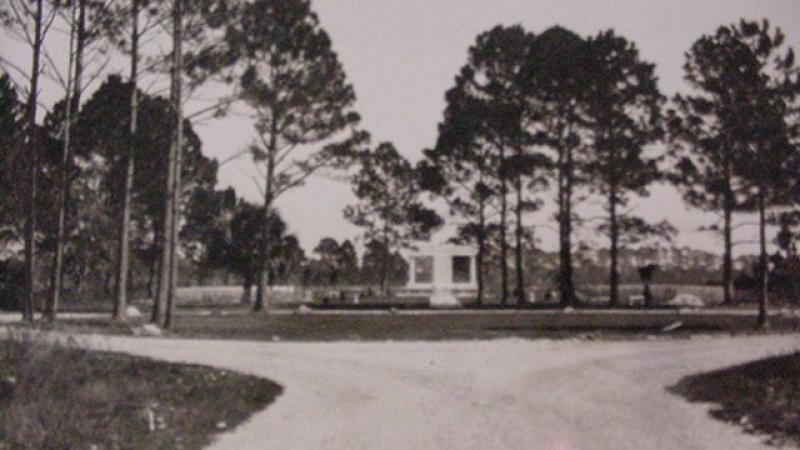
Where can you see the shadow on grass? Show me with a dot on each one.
(762, 396)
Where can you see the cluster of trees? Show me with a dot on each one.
(125, 166)
(580, 114)
(529, 116)
(736, 135)
(57, 155)
(338, 264)
(222, 236)
(529, 111)
(389, 207)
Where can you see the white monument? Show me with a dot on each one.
(446, 271)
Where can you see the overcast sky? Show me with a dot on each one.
(401, 56)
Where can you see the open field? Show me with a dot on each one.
(711, 295)
(286, 296)
(57, 397)
(231, 295)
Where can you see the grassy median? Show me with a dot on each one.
(57, 397)
(762, 397)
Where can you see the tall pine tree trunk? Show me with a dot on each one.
(518, 261)
(566, 288)
(727, 258)
(29, 298)
(763, 320)
(177, 105)
(480, 259)
(74, 60)
(164, 247)
(613, 274)
(503, 240)
(151, 275)
(727, 262)
(387, 252)
(77, 280)
(165, 267)
(560, 216)
(123, 255)
(266, 239)
(386, 257)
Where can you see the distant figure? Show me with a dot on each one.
(646, 274)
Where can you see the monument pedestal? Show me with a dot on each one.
(444, 271)
(443, 297)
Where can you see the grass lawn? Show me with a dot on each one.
(761, 396)
(54, 397)
(432, 325)
(238, 322)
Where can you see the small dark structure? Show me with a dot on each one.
(646, 274)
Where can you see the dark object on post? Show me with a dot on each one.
(646, 274)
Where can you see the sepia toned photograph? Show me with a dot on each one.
(383, 224)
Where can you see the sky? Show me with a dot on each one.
(401, 57)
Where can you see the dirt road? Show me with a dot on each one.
(506, 394)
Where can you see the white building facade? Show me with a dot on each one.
(445, 272)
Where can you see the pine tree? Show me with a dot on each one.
(291, 77)
(624, 117)
(389, 208)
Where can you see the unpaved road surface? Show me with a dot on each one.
(503, 394)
